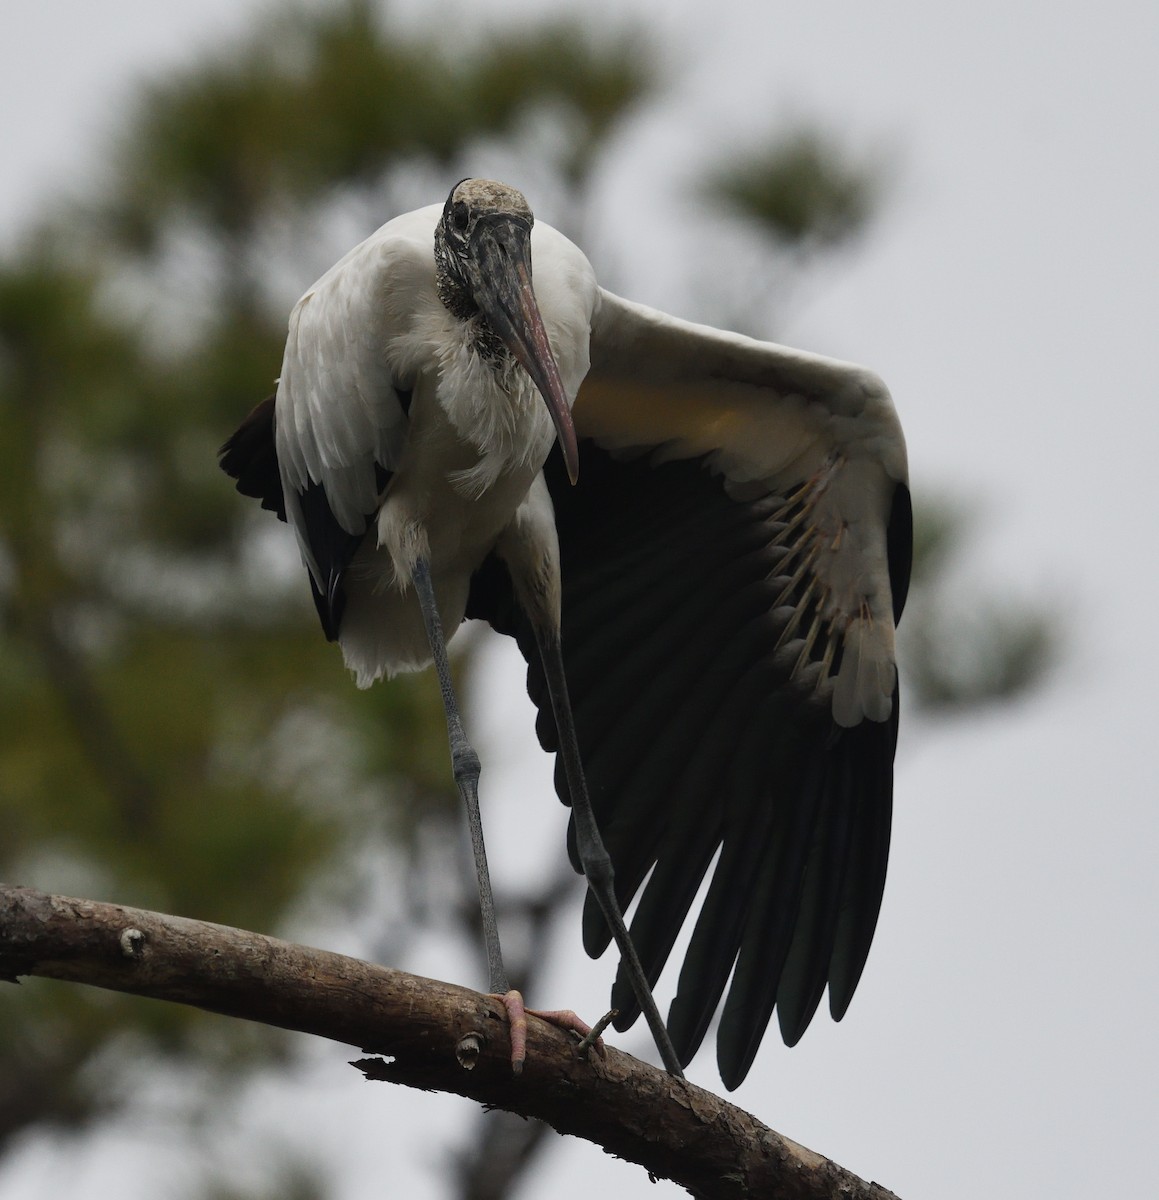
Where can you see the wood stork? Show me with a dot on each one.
(717, 592)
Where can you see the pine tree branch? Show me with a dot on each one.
(425, 1032)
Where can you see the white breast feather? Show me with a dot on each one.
(499, 412)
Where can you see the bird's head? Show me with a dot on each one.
(483, 270)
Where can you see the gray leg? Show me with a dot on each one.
(465, 764)
(594, 857)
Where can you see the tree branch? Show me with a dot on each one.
(426, 1032)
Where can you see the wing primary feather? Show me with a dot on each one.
(333, 549)
(678, 649)
(250, 457)
(755, 882)
(871, 750)
(705, 797)
(684, 776)
(806, 967)
(899, 542)
(642, 763)
(773, 905)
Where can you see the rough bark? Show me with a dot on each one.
(427, 1034)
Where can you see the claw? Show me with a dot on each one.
(561, 1018)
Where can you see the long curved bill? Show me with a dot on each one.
(501, 262)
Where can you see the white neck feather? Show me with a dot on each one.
(499, 412)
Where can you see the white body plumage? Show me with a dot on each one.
(475, 439)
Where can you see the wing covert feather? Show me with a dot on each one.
(341, 400)
(769, 420)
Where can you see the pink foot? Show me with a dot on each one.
(561, 1018)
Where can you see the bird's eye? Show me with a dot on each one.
(460, 215)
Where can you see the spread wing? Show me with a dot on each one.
(734, 558)
(321, 452)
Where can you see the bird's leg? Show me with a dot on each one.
(465, 766)
(594, 857)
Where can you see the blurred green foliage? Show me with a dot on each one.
(965, 644)
(334, 98)
(801, 190)
(176, 734)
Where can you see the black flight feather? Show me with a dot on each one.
(250, 456)
(692, 746)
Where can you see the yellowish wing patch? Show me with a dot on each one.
(837, 542)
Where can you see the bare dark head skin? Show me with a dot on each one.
(483, 269)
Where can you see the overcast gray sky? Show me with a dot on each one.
(1003, 1038)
